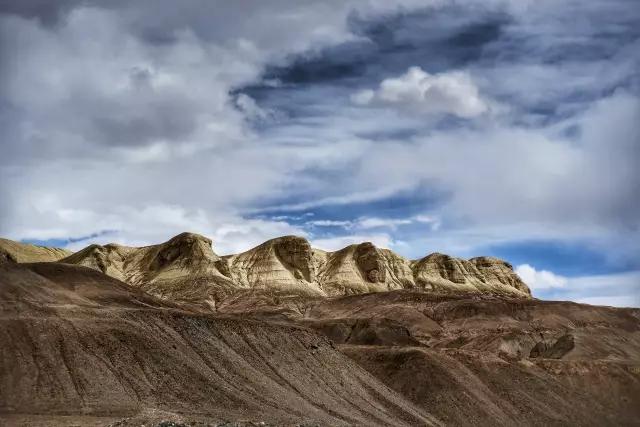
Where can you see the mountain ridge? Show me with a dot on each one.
(186, 268)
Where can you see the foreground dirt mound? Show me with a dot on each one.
(79, 344)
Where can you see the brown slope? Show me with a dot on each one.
(510, 328)
(483, 360)
(78, 343)
(471, 388)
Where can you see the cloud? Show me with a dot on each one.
(417, 91)
(367, 223)
(250, 108)
(136, 116)
(330, 223)
(159, 223)
(617, 289)
(542, 279)
(335, 243)
(613, 301)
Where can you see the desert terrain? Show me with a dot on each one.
(286, 334)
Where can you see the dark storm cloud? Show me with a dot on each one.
(514, 55)
(436, 40)
(47, 11)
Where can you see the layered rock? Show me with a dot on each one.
(495, 270)
(364, 268)
(286, 263)
(186, 268)
(24, 252)
(444, 273)
(183, 268)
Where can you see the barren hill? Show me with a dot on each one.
(186, 268)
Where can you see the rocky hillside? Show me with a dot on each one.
(82, 348)
(24, 252)
(187, 269)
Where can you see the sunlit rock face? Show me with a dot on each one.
(187, 268)
(24, 252)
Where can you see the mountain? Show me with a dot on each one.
(186, 268)
(81, 347)
(25, 252)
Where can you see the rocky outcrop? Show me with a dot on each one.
(186, 268)
(444, 273)
(286, 264)
(364, 268)
(24, 252)
(495, 270)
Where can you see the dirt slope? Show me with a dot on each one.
(78, 343)
(474, 388)
(481, 360)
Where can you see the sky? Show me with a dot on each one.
(508, 128)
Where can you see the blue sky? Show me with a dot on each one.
(504, 128)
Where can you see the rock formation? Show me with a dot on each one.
(286, 263)
(24, 252)
(186, 268)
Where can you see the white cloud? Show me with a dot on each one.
(330, 223)
(367, 223)
(451, 92)
(616, 289)
(135, 113)
(159, 223)
(613, 301)
(393, 223)
(335, 243)
(250, 108)
(541, 279)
